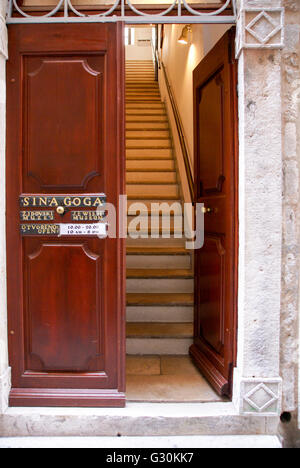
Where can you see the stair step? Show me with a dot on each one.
(147, 126)
(142, 99)
(143, 81)
(146, 118)
(145, 227)
(140, 71)
(159, 330)
(158, 261)
(153, 166)
(140, 74)
(160, 299)
(156, 242)
(160, 286)
(149, 153)
(161, 365)
(146, 192)
(146, 112)
(174, 251)
(151, 178)
(142, 134)
(137, 98)
(143, 365)
(149, 105)
(139, 85)
(165, 314)
(165, 273)
(151, 144)
(141, 92)
(159, 346)
(157, 207)
(145, 78)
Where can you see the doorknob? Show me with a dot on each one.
(206, 210)
(60, 210)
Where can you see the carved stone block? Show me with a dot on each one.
(260, 29)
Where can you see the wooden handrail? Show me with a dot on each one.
(180, 131)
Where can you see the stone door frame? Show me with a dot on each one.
(260, 38)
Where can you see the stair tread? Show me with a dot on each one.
(149, 191)
(160, 299)
(149, 177)
(159, 330)
(159, 273)
(156, 251)
(160, 365)
(149, 166)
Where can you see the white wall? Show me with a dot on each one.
(136, 51)
(180, 61)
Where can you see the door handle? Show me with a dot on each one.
(60, 210)
(207, 210)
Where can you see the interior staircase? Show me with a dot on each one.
(159, 271)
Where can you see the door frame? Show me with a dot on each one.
(251, 371)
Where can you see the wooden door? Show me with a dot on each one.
(65, 157)
(215, 119)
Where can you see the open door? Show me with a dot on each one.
(215, 120)
(65, 159)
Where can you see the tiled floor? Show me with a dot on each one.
(166, 379)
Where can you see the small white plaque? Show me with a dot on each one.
(98, 229)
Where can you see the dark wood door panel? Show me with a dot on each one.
(65, 141)
(63, 98)
(211, 293)
(210, 135)
(215, 130)
(63, 309)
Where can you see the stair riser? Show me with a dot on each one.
(159, 243)
(158, 261)
(155, 229)
(153, 134)
(151, 178)
(150, 112)
(171, 314)
(149, 154)
(158, 346)
(154, 144)
(144, 106)
(154, 207)
(150, 192)
(147, 126)
(146, 118)
(139, 166)
(152, 285)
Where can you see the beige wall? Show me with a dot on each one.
(180, 61)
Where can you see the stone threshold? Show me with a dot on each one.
(136, 419)
(236, 441)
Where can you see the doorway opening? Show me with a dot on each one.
(180, 149)
(160, 312)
